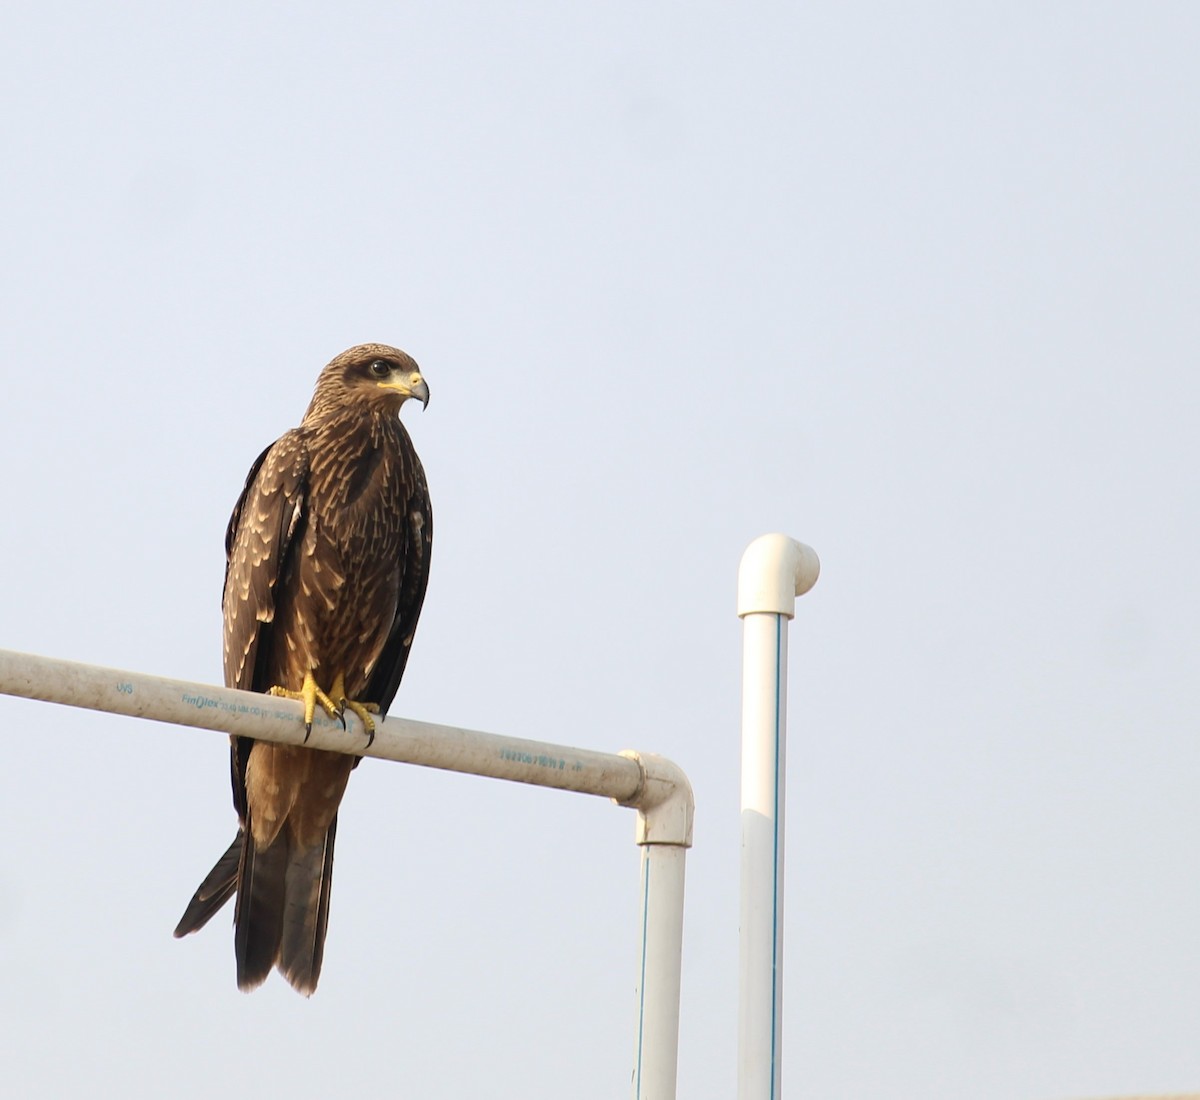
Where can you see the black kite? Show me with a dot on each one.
(327, 560)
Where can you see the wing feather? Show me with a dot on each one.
(414, 578)
(263, 533)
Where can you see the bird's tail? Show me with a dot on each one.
(216, 889)
(307, 883)
(282, 910)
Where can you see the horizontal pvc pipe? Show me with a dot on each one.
(267, 718)
(652, 785)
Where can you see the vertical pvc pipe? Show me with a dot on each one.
(666, 809)
(774, 571)
(764, 748)
(657, 1054)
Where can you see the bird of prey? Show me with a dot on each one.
(327, 558)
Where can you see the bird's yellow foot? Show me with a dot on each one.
(363, 710)
(311, 695)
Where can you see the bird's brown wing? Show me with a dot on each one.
(264, 529)
(260, 543)
(414, 577)
(264, 532)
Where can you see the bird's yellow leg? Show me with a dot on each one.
(363, 710)
(311, 695)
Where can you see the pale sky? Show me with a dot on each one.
(916, 285)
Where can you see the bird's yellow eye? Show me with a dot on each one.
(380, 369)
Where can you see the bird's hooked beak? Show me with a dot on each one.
(409, 385)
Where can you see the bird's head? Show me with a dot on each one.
(372, 374)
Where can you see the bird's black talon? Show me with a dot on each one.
(370, 738)
(307, 731)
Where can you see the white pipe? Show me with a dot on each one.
(664, 831)
(274, 719)
(652, 785)
(764, 705)
(774, 571)
(656, 1054)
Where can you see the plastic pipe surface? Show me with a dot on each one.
(656, 1056)
(774, 571)
(653, 785)
(665, 803)
(760, 1002)
(666, 808)
(268, 718)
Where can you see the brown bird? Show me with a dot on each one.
(327, 558)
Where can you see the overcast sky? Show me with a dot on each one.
(915, 284)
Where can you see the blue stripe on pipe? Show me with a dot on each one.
(775, 856)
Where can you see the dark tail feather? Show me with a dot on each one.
(258, 915)
(306, 913)
(216, 889)
(282, 910)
